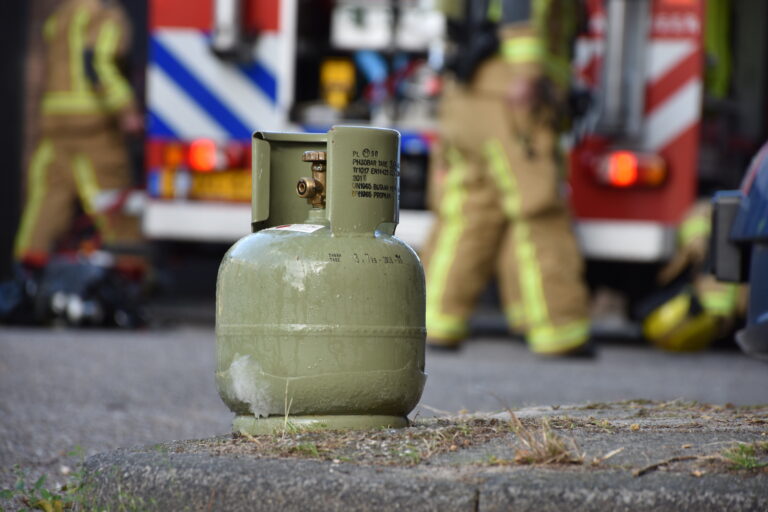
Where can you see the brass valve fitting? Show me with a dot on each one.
(313, 189)
(308, 188)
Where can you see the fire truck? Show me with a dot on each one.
(654, 137)
(218, 70)
(634, 167)
(649, 140)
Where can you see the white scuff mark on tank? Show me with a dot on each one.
(295, 275)
(249, 386)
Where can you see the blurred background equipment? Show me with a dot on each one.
(673, 98)
(88, 291)
(337, 78)
(691, 309)
(667, 114)
(298, 65)
(81, 160)
(740, 249)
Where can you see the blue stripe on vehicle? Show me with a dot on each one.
(262, 78)
(413, 143)
(153, 183)
(311, 128)
(197, 91)
(156, 127)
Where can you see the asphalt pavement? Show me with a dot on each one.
(96, 390)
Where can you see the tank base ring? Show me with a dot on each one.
(279, 424)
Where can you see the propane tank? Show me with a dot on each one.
(320, 311)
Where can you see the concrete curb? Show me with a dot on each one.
(220, 475)
(196, 482)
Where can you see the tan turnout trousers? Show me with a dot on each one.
(500, 212)
(65, 169)
(81, 154)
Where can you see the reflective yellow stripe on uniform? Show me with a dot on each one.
(550, 338)
(558, 60)
(694, 227)
(542, 335)
(41, 159)
(79, 99)
(70, 103)
(88, 189)
(520, 50)
(441, 325)
(717, 46)
(553, 55)
(515, 315)
(720, 302)
(116, 89)
(495, 11)
(77, 36)
(534, 304)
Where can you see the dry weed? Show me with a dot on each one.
(542, 445)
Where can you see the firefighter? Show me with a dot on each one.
(87, 108)
(497, 183)
(693, 309)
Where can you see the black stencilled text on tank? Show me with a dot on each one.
(371, 175)
(371, 258)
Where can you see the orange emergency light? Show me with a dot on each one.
(202, 156)
(624, 169)
(173, 155)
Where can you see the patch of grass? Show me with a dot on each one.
(409, 446)
(605, 425)
(565, 422)
(160, 448)
(411, 454)
(35, 496)
(31, 494)
(542, 445)
(493, 460)
(746, 456)
(424, 439)
(38, 495)
(308, 449)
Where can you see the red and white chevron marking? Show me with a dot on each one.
(672, 74)
(673, 68)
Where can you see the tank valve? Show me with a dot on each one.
(313, 189)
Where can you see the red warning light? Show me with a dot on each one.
(622, 169)
(202, 155)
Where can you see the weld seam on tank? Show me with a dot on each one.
(287, 380)
(320, 330)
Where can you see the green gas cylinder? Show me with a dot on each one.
(320, 311)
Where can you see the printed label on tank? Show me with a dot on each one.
(303, 228)
(371, 175)
(366, 258)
